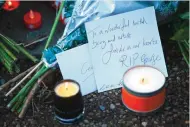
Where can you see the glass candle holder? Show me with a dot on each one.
(68, 102)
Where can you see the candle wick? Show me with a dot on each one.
(143, 80)
(66, 86)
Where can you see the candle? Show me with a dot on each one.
(69, 105)
(11, 5)
(67, 89)
(32, 20)
(142, 85)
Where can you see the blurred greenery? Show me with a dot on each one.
(181, 34)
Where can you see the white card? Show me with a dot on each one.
(119, 42)
(75, 64)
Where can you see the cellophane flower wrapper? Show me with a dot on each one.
(88, 10)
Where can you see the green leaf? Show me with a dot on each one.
(186, 44)
(181, 34)
(185, 56)
(184, 15)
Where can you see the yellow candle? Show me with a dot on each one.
(67, 89)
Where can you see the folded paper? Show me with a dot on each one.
(75, 64)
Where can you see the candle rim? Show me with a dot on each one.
(67, 80)
(144, 93)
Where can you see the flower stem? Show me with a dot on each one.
(8, 52)
(8, 42)
(27, 87)
(54, 25)
(7, 66)
(18, 48)
(6, 61)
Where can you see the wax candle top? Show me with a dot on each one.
(67, 89)
(144, 79)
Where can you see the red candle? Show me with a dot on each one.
(143, 89)
(11, 5)
(62, 19)
(32, 20)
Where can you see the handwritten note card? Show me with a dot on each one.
(119, 42)
(75, 64)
